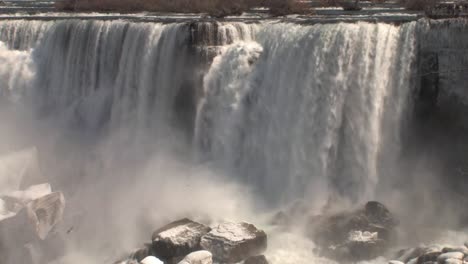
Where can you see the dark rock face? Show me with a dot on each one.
(234, 242)
(358, 235)
(256, 260)
(142, 253)
(178, 239)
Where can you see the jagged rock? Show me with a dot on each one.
(14, 201)
(35, 220)
(151, 260)
(256, 260)
(233, 242)
(198, 257)
(178, 239)
(358, 235)
(450, 255)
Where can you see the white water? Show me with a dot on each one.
(132, 134)
(314, 115)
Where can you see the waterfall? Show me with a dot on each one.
(294, 111)
(207, 119)
(306, 109)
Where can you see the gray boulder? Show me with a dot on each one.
(234, 242)
(178, 239)
(362, 234)
(429, 257)
(450, 255)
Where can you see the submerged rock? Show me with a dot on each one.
(362, 234)
(198, 257)
(178, 239)
(256, 260)
(233, 242)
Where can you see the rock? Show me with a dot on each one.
(429, 257)
(151, 260)
(463, 250)
(362, 234)
(142, 253)
(450, 255)
(34, 221)
(22, 198)
(178, 239)
(395, 262)
(233, 242)
(198, 257)
(256, 260)
(453, 261)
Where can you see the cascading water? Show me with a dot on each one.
(304, 109)
(132, 116)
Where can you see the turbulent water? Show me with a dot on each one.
(134, 115)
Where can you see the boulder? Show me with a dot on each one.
(198, 257)
(142, 253)
(429, 257)
(233, 242)
(178, 239)
(14, 201)
(357, 235)
(256, 260)
(151, 260)
(450, 255)
(463, 250)
(453, 261)
(34, 221)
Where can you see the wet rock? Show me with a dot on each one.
(178, 239)
(453, 261)
(463, 250)
(142, 253)
(429, 257)
(151, 260)
(450, 255)
(362, 234)
(233, 242)
(198, 257)
(256, 260)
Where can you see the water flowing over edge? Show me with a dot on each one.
(293, 112)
